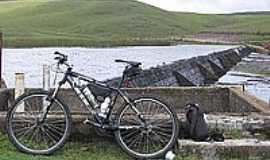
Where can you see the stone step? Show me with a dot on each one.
(229, 149)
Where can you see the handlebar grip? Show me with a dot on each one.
(56, 52)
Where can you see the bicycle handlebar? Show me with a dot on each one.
(62, 58)
(58, 53)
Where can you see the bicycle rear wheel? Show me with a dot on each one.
(29, 133)
(153, 135)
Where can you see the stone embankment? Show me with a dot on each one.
(202, 70)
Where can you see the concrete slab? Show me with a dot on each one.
(229, 149)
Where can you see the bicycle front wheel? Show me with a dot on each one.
(150, 135)
(30, 132)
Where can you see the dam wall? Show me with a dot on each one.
(197, 71)
(212, 99)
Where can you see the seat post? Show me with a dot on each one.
(122, 78)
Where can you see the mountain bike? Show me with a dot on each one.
(39, 122)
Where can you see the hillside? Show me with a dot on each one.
(27, 23)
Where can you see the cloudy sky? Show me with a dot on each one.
(211, 6)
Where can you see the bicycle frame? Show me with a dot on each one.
(69, 76)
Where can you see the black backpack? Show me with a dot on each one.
(196, 125)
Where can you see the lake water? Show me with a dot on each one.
(253, 84)
(95, 62)
(258, 85)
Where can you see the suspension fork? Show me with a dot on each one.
(51, 99)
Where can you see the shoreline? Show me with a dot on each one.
(119, 45)
(123, 46)
(204, 38)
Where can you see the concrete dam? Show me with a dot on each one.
(197, 71)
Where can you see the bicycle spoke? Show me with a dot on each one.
(33, 136)
(19, 130)
(130, 121)
(139, 144)
(149, 111)
(52, 138)
(154, 142)
(23, 134)
(161, 138)
(45, 140)
(161, 122)
(130, 134)
(56, 121)
(133, 140)
(53, 133)
(30, 108)
(164, 130)
(57, 127)
(147, 142)
(22, 121)
(54, 129)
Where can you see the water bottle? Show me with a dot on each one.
(169, 155)
(104, 108)
(88, 94)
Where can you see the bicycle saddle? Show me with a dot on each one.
(132, 63)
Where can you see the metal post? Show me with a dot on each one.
(19, 89)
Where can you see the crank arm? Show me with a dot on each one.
(130, 127)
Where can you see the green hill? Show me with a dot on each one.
(27, 23)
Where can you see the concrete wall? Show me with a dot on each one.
(212, 99)
(225, 101)
(201, 70)
(246, 102)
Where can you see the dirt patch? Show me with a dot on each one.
(214, 38)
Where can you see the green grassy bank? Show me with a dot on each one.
(100, 23)
(89, 149)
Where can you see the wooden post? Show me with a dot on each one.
(19, 89)
(1, 64)
(46, 77)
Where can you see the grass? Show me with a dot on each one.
(94, 149)
(101, 23)
(87, 149)
(266, 73)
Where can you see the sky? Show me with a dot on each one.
(211, 6)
